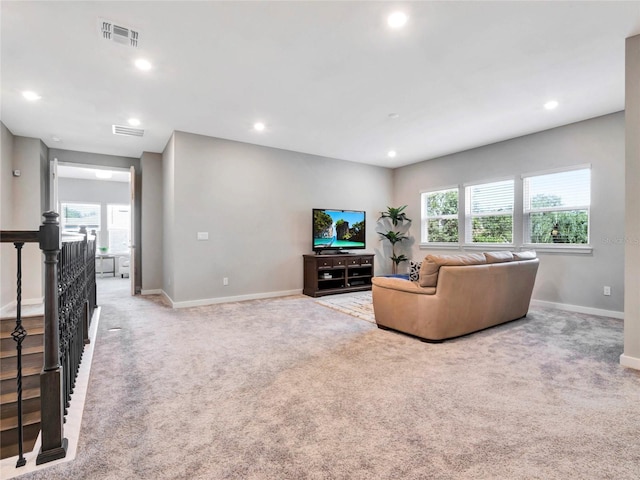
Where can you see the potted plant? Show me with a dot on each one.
(399, 220)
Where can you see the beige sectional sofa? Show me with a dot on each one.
(457, 294)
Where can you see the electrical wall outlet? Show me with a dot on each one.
(225, 281)
(607, 290)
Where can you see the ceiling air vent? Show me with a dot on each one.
(127, 131)
(121, 34)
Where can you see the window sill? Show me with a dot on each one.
(566, 249)
(439, 246)
(489, 247)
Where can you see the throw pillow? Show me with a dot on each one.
(414, 270)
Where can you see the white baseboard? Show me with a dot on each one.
(237, 298)
(157, 291)
(578, 309)
(630, 362)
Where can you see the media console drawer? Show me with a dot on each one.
(330, 274)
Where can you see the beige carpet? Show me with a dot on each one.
(288, 389)
(357, 304)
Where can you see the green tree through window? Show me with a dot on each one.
(440, 216)
(489, 212)
(556, 207)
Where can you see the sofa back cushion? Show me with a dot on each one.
(498, 257)
(432, 263)
(526, 255)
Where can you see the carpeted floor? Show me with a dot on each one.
(286, 388)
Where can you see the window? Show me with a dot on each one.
(119, 225)
(556, 207)
(440, 216)
(489, 212)
(75, 215)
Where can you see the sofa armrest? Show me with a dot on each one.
(402, 285)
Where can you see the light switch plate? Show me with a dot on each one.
(203, 235)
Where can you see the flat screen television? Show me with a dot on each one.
(337, 230)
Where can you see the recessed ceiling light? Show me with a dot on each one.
(104, 174)
(31, 96)
(394, 115)
(397, 19)
(391, 154)
(55, 138)
(550, 105)
(134, 122)
(259, 126)
(143, 64)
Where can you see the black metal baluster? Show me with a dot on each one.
(18, 334)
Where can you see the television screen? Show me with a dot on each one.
(338, 229)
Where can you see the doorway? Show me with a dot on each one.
(102, 199)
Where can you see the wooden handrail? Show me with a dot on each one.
(25, 236)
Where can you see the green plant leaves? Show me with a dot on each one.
(396, 215)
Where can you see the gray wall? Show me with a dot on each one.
(7, 252)
(631, 356)
(152, 223)
(255, 203)
(27, 211)
(572, 279)
(96, 159)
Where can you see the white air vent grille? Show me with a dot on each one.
(127, 131)
(114, 32)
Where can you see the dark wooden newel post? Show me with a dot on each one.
(54, 446)
(86, 313)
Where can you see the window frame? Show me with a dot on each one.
(469, 216)
(424, 218)
(63, 218)
(526, 234)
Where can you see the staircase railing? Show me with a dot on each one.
(69, 301)
(19, 238)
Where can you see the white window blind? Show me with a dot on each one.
(440, 216)
(556, 207)
(489, 212)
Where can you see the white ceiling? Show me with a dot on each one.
(323, 76)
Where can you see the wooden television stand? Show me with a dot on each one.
(342, 273)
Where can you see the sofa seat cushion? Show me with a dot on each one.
(432, 263)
